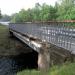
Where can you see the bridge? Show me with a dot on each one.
(42, 36)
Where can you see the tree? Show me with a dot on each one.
(48, 12)
(64, 9)
(0, 14)
(15, 18)
(44, 12)
(6, 18)
(52, 13)
(36, 12)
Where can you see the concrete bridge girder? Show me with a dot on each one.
(44, 50)
(41, 47)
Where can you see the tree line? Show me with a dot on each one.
(62, 10)
(38, 13)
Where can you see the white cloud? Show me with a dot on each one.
(12, 6)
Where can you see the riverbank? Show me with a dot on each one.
(14, 55)
(9, 46)
(6, 44)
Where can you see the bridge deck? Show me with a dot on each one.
(59, 34)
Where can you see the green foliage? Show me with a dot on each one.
(38, 13)
(66, 10)
(0, 14)
(63, 10)
(5, 18)
(44, 12)
(66, 69)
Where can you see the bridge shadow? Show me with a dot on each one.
(24, 60)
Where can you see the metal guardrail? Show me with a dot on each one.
(61, 34)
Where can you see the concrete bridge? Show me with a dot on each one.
(45, 38)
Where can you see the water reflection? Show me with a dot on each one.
(7, 66)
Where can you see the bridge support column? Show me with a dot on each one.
(44, 57)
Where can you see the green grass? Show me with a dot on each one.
(31, 72)
(4, 41)
(7, 45)
(65, 69)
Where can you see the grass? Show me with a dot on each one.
(31, 72)
(4, 42)
(7, 45)
(65, 69)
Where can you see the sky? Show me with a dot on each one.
(14, 6)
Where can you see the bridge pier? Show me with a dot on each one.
(44, 57)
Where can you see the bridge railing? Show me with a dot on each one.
(61, 34)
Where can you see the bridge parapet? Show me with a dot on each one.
(59, 33)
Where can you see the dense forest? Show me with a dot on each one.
(62, 10)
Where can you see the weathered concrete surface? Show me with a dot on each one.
(48, 54)
(59, 55)
(44, 57)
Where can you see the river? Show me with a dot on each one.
(13, 64)
(5, 23)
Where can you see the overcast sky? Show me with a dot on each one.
(12, 6)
